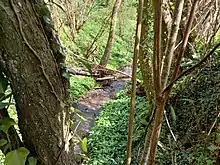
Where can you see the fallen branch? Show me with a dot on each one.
(113, 70)
(105, 78)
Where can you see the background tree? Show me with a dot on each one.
(70, 16)
(105, 58)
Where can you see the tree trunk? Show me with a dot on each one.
(145, 56)
(134, 81)
(105, 58)
(38, 87)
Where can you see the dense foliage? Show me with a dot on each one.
(91, 40)
(80, 85)
(192, 110)
(108, 139)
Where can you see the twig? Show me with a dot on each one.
(168, 124)
(105, 78)
(59, 6)
(189, 70)
(216, 119)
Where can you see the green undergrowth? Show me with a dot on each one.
(192, 110)
(108, 139)
(80, 85)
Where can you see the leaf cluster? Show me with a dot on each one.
(108, 139)
(80, 85)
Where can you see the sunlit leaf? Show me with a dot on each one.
(4, 97)
(72, 109)
(84, 144)
(16, 157)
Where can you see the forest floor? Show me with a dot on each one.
(90, 105)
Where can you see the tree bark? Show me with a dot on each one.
(146, 70)
(134, 81)
(38, 87)
(171, 43)
(105, 58)
(145, 56)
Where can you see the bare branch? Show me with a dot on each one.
(168, 124)
(134, 81)
(165, 70)
(157, 47)
(189, 70)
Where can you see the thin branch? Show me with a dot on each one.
(165, 70)
(185, 38)
(157, 47)
(168, 124)
(59, 6)
(216, 119)
(134, 82)
(189, 70)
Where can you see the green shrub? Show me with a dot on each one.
(108, 139)
(80, 85)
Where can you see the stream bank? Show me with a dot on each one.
(90, 106)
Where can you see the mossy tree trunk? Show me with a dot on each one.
(38, 87)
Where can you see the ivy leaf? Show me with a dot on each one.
(6, 147)
(66, 75)
(32, 161)
(3, 142)
(6, 123)
(4, 97)
(17, 157)
(212, 147)
(3, 105)
(84, 145)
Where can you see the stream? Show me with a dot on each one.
(90, 106)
